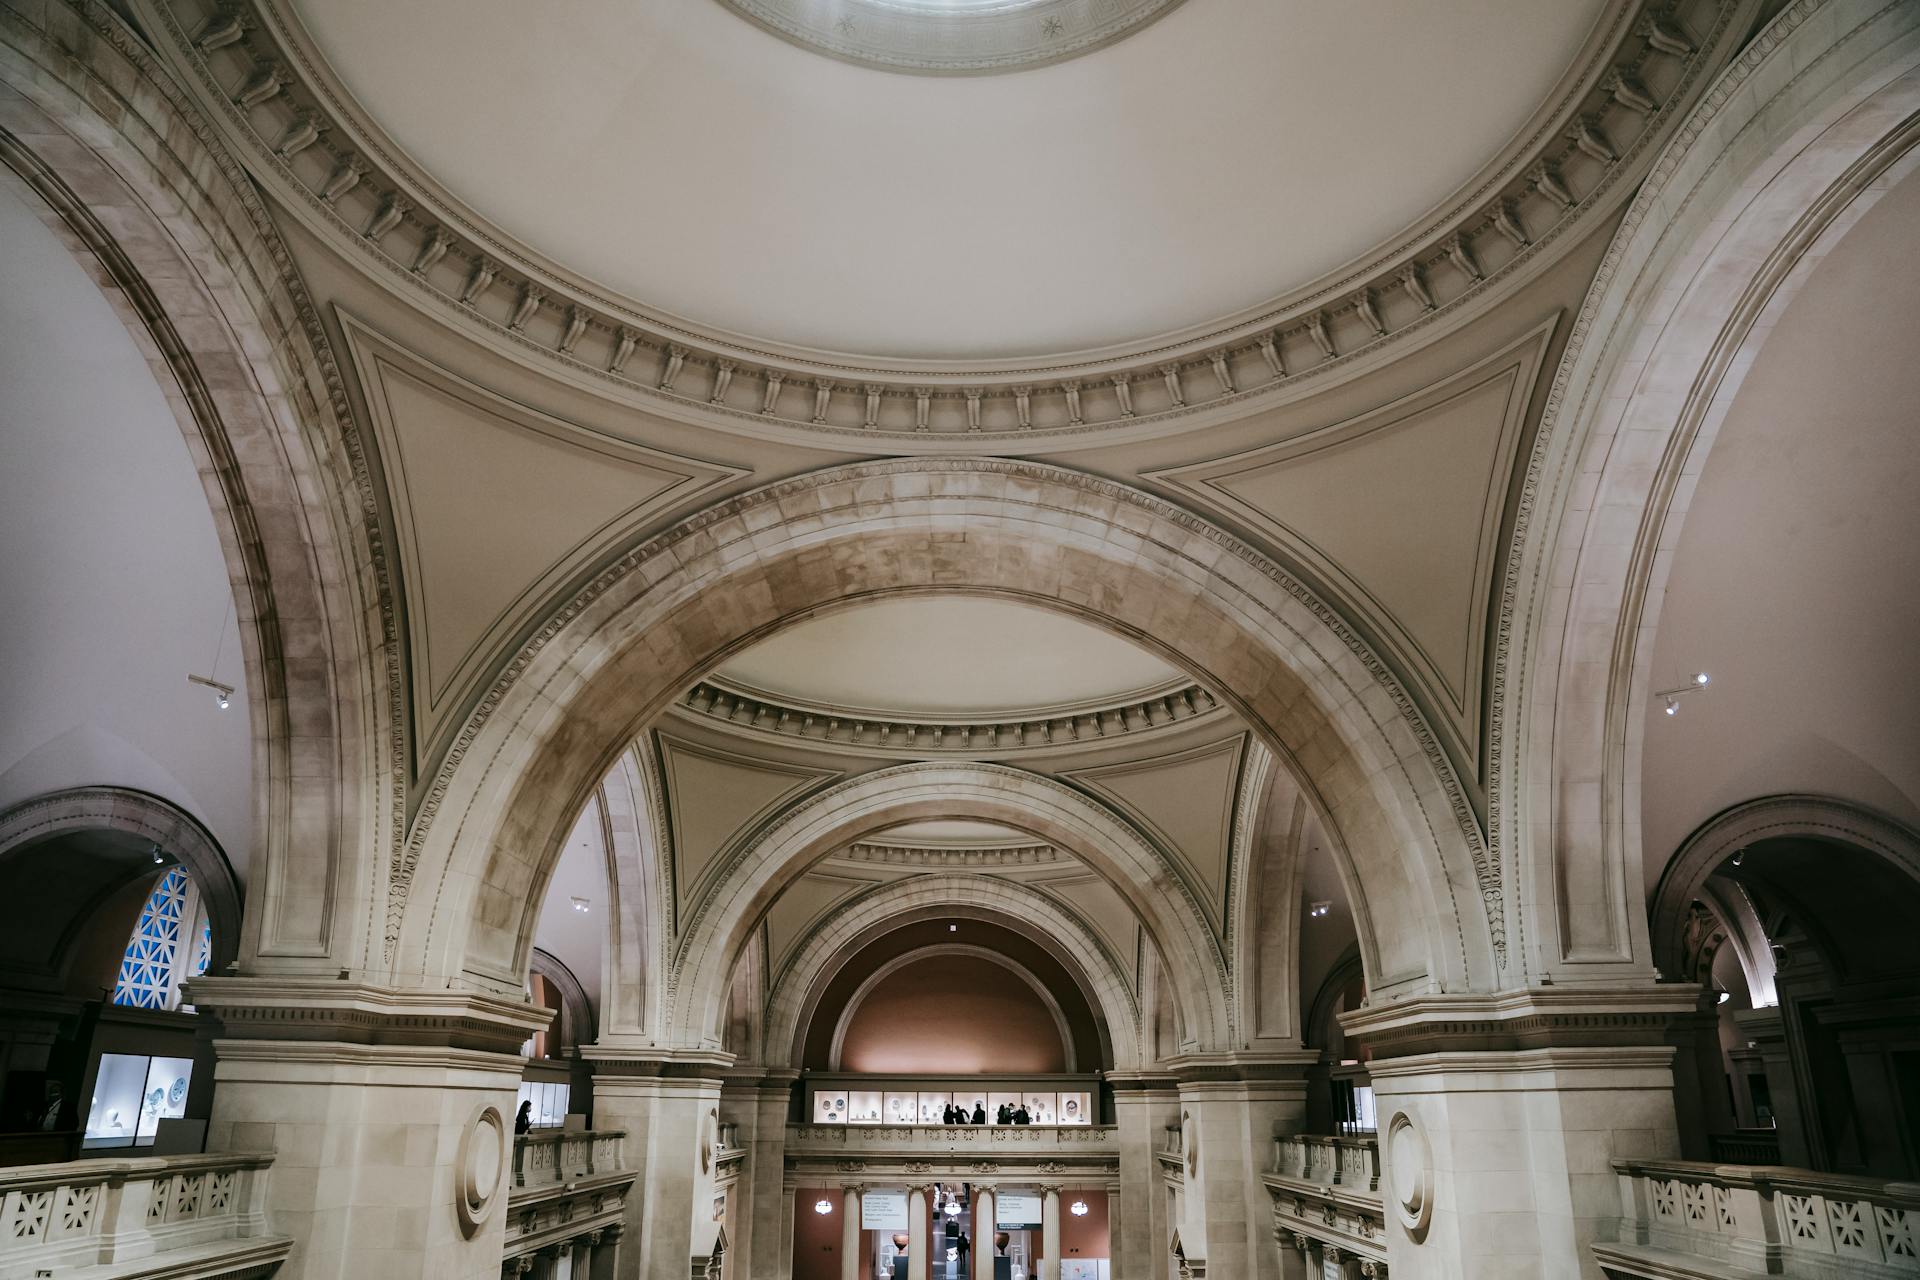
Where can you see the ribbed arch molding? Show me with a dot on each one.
(617, 654)
(1028, 911)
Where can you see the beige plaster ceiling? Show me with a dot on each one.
(947, 656)
(1796, 583)
(950, 831)
(1224, 155)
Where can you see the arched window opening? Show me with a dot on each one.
(172, 941)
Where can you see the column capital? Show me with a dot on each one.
(365, 1015)
(1635, 1015)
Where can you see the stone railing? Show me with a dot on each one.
(1351, 1162)
(1747, 1146)
(196, 1215)
(1000, 1140)
(1326, 1201)
(1693, 1219)
(556, 1155)
(568, 1201)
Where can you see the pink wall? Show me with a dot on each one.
(1084, 1237)
(950, 1014)
(816, 1236)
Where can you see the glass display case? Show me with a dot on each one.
(863, 1107)
(933, 1107)
(830, 1107)
(997, 1100)
(1039, 1108)
(132, 1094)
(549, 1098)
(1075, 1108)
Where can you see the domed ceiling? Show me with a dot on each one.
(948, 656)
(1187, 172)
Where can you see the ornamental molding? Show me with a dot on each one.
(933, 857)
(931, 40)
(259, 74)
(741, 707)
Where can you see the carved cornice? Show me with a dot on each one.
(933, 856)
(1573, 164)
(739, 708)
(1620, 1022)
(358, 1015)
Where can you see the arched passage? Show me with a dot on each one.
(673, 608)
(753, 875)
(853, 925)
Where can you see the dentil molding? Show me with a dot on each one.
(258, 73)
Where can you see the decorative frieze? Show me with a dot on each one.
(1581, 154)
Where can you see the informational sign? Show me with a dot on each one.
(1014, 1210)
(883, 1211)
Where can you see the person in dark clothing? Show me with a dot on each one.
(946, 1114)
(1005, 1114)
(979, 1113)
(524, 1120)
(1020, 1116)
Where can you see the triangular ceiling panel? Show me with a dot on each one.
(805, 901)
(714, 796)
(1338, 499)
(496, 509)
(1186, 802)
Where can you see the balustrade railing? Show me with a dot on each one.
(548, 1156)
(1765, 1218)
(1352, 1163)
(1003, 1138)
(60, 1217)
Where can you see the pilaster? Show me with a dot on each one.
(389, 1113)
(1230, 1113)
(758, 1105)
(670, 1109)
(1501, 1115)
(1145, 1107)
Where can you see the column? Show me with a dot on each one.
(671, 1123)
(983, 1230)
(1501, 1115)
(1049, 1233)
(917, 1243)
(1230, 1113)
(758, 1105)
(1143, 1108)
(850, 1233)
(389, 1112)
(604, 1257)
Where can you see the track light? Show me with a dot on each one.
(1320, 909)
(222, 693)
(1697, 682)
(159, 858)
(582, 905)
(1739, 856)
(953, 928)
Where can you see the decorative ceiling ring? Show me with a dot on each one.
(1574, 163)
(739, 709)
(951, 38)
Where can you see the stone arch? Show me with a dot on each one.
(1039, 916)
(751, 875)
(577, 1024)
(674, 607)
(632, 837)
(1708, 253)
(146, 817)
(199, 274)
(1768, 818)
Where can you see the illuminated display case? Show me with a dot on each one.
(1075, 1108)
(132, 1093)
(549, 1098)
(830, 1107)
(863, 1106)
(933, 1107)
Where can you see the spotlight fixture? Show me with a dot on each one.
(1721, 997)
(823, 1207)
(1739, 856)
(1320, 909)
(159, 859)
(582, 905)
(1078, 1208)
(1672, 696)
(953, 928)
(223, 693)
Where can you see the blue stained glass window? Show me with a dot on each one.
(202, 950)
(147, 968)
